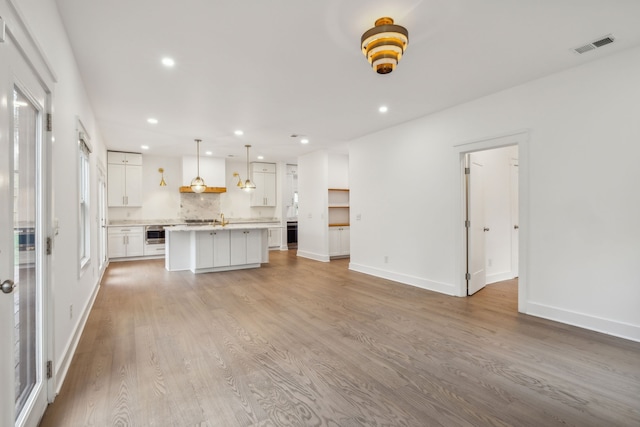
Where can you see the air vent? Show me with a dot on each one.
(594, 45)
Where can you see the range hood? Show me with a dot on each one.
(212, 170)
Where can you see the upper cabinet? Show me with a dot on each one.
(124, 177)
(264, 177)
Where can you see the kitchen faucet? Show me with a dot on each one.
(222, 221)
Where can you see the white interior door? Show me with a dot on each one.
(23, 215)
(477, 277)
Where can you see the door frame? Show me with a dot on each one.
(19, 34)
(521, 140)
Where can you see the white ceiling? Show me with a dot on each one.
(282, 67)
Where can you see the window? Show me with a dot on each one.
(84, 181)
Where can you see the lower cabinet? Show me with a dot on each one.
(220, 250)
(211, 249)
(275, 237)
(126, 242)
(339, 241)
(246, 247)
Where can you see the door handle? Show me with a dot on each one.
(515, 227)
(7, 286)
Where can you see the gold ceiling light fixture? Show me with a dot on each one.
(197, 183)
(162, 181)
(384, 45)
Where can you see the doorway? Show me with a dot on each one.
(492, 245)
(491, 222)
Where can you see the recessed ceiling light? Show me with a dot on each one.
(144, 147)
(239, 132)
(208, 153)
(152, 121)
(260, 157)
(168, 62)
(304, 141)
(383, 109)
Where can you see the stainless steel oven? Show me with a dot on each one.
(154, 235)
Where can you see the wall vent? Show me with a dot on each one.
(595, 44)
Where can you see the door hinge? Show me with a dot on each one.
(49, 122)
(467, 276)
(49, 369)
(467, 224)
(467, 171)
(48, 245)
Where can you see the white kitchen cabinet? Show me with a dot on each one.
(124, 178)
(264, 177)
(126, 242)
(275, 237)
(211, 249)
(339, 241)
(246, 247)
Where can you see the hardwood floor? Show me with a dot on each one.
(303, 343)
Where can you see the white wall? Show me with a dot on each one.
(583, 206)
(338, 171)
(158, 203)
(313, 239)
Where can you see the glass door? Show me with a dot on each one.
(23, 213)
(26, 296)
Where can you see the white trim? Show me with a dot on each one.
(444, 288)
(499, 277)
(313, 256)
(519, 138)
(585, 321)
(62, 367)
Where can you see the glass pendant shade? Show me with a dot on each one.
(197, 183)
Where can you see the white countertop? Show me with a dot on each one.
(234, 226)
(272, 222)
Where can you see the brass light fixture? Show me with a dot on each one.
(384, 45)
(237, 175)
(197, 183)
(162, 181)
(247, 185)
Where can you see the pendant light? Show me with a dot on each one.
(248, 185)
(197, 183)
(384, 45)
(163, 183)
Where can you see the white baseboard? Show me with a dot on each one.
(62, 367)
(499, 277)
(443, 288)
(581, 320)
(313, 256)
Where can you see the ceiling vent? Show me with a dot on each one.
(594, 45)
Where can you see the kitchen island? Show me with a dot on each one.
(212, 248)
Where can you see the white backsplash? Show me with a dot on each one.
(199, 206)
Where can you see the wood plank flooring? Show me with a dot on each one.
(303, 343)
